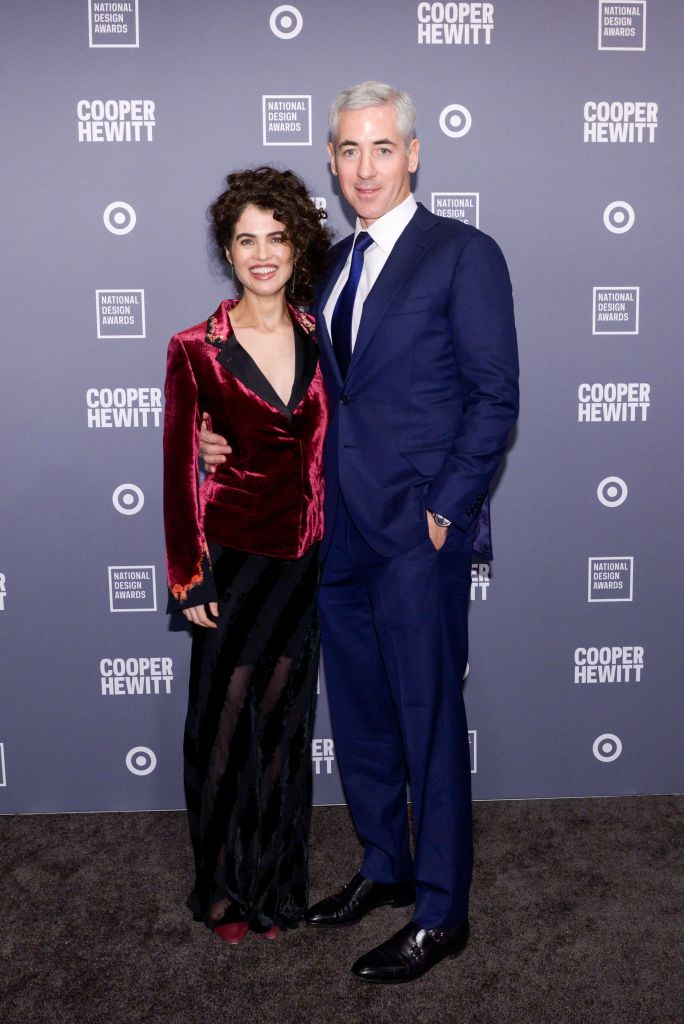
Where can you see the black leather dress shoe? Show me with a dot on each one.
(358, 898)
(411, 953)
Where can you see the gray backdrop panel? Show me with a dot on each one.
(64, 744)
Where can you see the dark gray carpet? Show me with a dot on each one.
(574, 919)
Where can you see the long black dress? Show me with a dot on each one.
(253, 679)
(248, 738)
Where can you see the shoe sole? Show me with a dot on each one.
(395, 904)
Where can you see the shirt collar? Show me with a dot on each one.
(385, 230)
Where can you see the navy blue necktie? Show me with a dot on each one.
(341, 324)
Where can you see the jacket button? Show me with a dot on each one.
(345, 399)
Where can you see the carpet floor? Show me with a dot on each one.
(575, 917)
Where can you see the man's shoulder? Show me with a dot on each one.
(448, 228)
(458, 240)
(447, 231)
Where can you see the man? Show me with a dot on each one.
(418, 350)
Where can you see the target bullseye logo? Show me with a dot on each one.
(286, 21)
(119, 217)
(607, 747)
(455, 120)
(141, 760)
(612, 491)
(619, 217)
(128, 499)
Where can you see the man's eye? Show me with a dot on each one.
(348, 152)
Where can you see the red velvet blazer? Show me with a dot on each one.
(267, 498)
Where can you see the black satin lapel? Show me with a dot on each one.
(237, 360)
(229, 353)
(408, 251)
(306, 361)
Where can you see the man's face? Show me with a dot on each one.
(372, 162)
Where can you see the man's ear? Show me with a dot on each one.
(331, 154)
(413, 154)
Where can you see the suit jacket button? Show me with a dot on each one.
(345, 399)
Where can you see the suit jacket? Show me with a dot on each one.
(422, 418)
(267, 498)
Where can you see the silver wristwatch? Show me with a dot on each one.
(440, 520)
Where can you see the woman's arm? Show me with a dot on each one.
(190, 580)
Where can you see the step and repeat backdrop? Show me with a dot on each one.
(554, 126)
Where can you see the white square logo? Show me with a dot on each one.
(113, 25)
(615, 309)
(286, 120)
(472, 743)
(120, 312)
(611, 578)
(132, 588)
(622, 26)
(3, 777)
(463, 206)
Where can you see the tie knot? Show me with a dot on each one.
(362, 241)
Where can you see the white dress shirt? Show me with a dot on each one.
(385, 232)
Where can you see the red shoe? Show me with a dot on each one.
(231, 933)
(272, 933)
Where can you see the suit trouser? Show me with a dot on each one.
(395, 648)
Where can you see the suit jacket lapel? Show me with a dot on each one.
(408, 251)
(324, 338)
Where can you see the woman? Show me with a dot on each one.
(242, 556)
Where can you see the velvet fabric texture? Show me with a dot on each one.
(267, 498)
(247, 741)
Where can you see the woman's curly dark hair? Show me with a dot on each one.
(287, 196)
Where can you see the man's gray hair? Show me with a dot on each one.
(375, 94)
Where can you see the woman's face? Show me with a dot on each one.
(259, 253)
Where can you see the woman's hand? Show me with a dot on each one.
(198, 615)
(213, 448)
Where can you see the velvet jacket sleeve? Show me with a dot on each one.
(190, 579)
(483, 328)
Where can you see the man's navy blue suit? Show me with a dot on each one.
(420, 422)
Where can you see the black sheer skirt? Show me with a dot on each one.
(247, 741)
